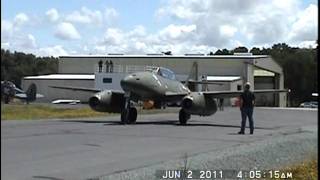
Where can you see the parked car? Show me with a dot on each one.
(311, 104)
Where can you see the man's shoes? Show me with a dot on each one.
(240, 132)
(251, 132)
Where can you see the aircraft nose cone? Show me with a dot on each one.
(129, 82)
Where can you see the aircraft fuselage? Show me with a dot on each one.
(148, 85)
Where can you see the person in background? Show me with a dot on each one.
(100, 65)
(221, 104)
(111, 66)
(247, 99)
(107, 66)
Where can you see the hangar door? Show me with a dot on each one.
(264, 80)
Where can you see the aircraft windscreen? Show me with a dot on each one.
(166, 73)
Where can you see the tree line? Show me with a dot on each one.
(16, 65)
(299, 67)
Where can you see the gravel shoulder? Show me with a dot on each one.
(278, 151)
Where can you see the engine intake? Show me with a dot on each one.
(107, 101)
(198, 104)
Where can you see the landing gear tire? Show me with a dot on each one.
(129, 116)
(183, 117)
(132, 115)
(124, 119)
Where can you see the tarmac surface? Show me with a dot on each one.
(86, 148)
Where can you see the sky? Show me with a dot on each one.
(73, 27)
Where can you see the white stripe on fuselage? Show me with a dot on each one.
(157, 79)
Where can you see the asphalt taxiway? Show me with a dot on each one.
(93, 147)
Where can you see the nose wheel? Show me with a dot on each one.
(183, 117)
(129, 114)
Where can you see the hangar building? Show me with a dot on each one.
(229, 72)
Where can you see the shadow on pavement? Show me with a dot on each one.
(163, 122)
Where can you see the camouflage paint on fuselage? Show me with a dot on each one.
(150, 85)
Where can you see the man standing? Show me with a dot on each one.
(100, 65)
(221, 104)
(247, 99)
(107, 66)
(111, 66)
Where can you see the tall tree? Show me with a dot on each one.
(15, 66)
(240, 49)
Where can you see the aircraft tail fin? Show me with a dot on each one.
(31, 93)
(193, 75)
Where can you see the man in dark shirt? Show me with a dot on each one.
(111, 66)
(221, 104)
(247, 99)
(107, 66)
(100, 65)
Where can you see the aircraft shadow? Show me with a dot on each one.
(163, 122)
(84, 121)
(176, 123)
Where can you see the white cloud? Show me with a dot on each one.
(6, 30)
(66, 31)
(110, 14)
(20, 19)
(221, 23)
(85, 16)
(5, 45)
(77, 17)
(176, 38)
(28, 42)
(306, 26)
(55, 51)
(176, 32)
(227, 30)
(305, 44)
(192, 26)
(138, 31)
(114, 36)
(52, 15)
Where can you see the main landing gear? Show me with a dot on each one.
(128, 114)
(183, 117)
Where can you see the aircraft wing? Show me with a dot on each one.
(77, 88)
(203, 82)
(24, 96)
(229, 94)
(221, 94)
(20, 96)
(173, 96)
(85, 89)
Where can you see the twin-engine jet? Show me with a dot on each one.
(159, 85)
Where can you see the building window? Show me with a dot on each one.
(239, 87)
(107, 80)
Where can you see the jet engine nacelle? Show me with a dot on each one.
(106, 101)
(198, 104)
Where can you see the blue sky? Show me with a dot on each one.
(60, 27)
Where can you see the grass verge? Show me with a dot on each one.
(31, 111)
(47, 111)
(305, 170)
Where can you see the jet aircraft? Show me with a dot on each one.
(159, 85)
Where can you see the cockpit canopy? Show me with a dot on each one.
(164, 72)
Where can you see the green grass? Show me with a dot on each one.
(31, 111)
(19, 111)
(307, 170)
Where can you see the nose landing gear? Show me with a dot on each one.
(128, 114)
